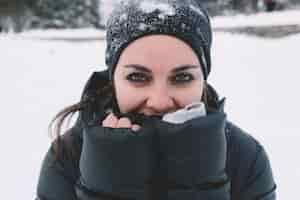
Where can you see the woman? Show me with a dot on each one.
(150, 126)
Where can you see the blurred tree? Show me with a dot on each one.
(221, 7)
(19, 15)
(13, 15)
(66, 13)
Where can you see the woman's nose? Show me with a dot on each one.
(160, 101)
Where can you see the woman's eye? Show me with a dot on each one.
(182, 78)
(138, 77)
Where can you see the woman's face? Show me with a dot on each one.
(157, 74)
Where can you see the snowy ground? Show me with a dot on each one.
(259, 77)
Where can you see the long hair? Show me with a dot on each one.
(96, 96)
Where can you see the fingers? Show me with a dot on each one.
(112, 121)
(124, 123)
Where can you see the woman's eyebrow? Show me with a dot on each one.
(138, 67)
(184, 67)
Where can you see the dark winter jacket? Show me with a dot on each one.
(206, 158)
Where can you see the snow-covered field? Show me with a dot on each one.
(259, 77)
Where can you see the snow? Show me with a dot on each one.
(106, 8)
(123, 17)
(38, 78)
(142, 26)
(289, 17)
(150, 6)
(65, 33)
(259, 77)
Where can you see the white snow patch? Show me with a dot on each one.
(65, 33)
(123, 17)
(106, 8)
(161, 16)
(142, 26)
(151, 6)
(183, 26)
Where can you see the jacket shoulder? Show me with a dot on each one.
(247, 165)
(59, 171)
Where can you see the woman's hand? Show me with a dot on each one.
(113, 122)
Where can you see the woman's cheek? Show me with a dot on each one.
(188, 96)
(129, 99)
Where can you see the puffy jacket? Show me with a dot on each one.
(207, 158)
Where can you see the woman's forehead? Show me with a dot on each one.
(158, 50)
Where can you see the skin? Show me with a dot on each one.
(155, 75)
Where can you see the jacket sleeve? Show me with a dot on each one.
(115, 164)
(249, 167)
(54, 182)
(260, 183)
